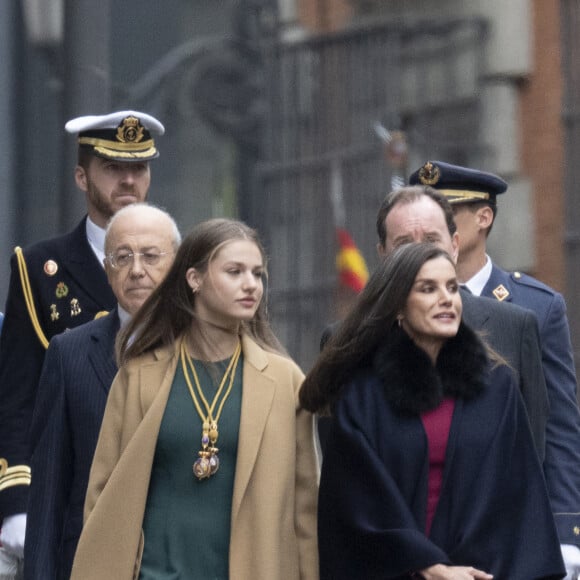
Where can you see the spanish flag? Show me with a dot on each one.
(350, 263)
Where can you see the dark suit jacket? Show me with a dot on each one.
(562, 463)
(64, 299)
(513, 333)
(78, 370)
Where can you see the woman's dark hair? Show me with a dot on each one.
(169, 311)
(372, 317)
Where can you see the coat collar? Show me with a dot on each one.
(474, 312)
(498, 286)
(84, 267)
(102, 354)
(259, 391)
(413, 385)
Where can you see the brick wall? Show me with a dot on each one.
(542, 142)
(324, 15)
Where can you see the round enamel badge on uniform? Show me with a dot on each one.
(50, 267)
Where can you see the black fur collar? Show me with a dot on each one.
(413, 385)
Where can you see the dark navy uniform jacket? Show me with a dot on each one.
(562, 460)
(69, 287)
(78, 371)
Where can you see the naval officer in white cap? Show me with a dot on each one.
(60, 283)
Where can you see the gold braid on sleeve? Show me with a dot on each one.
(11, 476)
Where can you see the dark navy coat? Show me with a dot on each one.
(562, 461)
(493, 511)
(78, 371)
(64, 298)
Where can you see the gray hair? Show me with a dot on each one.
(176, 237)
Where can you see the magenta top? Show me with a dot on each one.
(436, 424)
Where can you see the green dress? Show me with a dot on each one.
(187, 522)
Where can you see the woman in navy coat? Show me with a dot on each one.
(429, 469)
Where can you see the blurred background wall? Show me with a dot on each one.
(298, 116)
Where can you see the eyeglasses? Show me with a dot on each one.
(123, 259)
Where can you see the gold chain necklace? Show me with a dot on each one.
(208, 461)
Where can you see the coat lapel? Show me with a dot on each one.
(498, 286)
(474, 315)
(84, 267)
(101, 355)
(257, 399)
(156, 379)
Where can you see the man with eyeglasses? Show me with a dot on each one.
(59, 284)
(140, 245)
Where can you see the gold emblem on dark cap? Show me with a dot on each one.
(130, 130)
(501, 293)
(429, 174)
(50, 267)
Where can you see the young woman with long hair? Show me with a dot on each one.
(205, 465)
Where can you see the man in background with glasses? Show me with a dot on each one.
(60, 283)
(79, 367)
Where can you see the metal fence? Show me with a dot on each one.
(323, 159)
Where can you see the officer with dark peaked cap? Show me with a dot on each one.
(473, 196)
(60, 283)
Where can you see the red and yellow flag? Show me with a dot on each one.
(351, 265)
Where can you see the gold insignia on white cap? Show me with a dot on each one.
(501, 293)
(121, 136)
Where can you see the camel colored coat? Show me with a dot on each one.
(273, 525)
